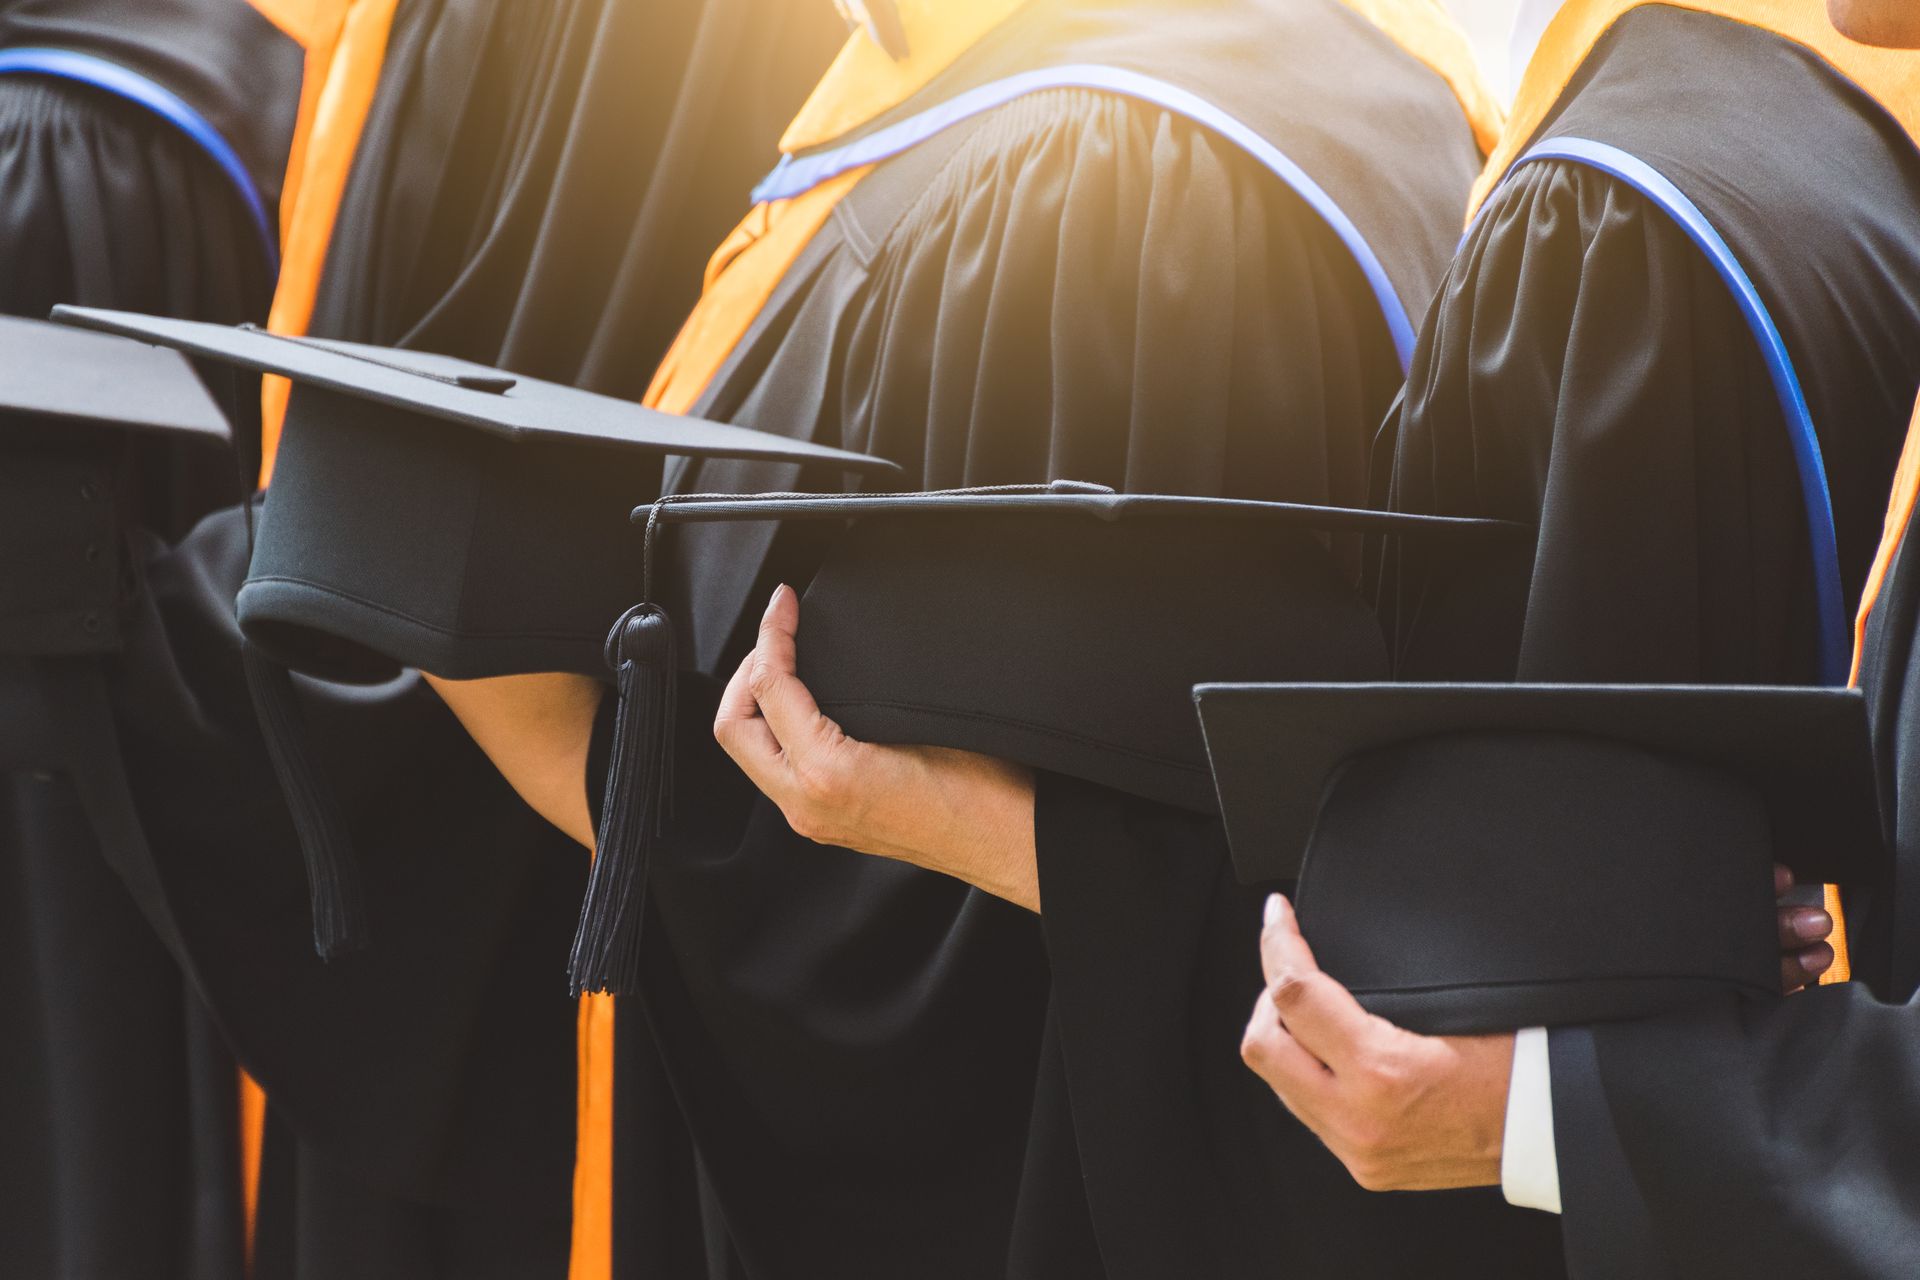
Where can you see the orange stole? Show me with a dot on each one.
(1900, 505)
(740, 278)
(1424, 29)
(253, 1132)
(346, 41)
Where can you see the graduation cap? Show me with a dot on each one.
(1482, 857)
(433, 513)
(68, 403)
(1060, 626)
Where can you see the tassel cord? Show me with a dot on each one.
(606, 947)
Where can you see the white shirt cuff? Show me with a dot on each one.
(1529, 1170)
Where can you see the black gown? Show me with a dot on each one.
(1737, 1139)
(884, 1071)
(537, 187)
(1584, 368)
(105, 203)
(418, 1116)
(121, 1155)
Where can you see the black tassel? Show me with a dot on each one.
(606, 950)
(333, 873)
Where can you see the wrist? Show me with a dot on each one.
(1485, 1066)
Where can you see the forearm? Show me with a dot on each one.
(536, 730)
(979, 827)
(963, 815)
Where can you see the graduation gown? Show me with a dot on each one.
(121, 1156)
(1747, 1139)
(1585, 368)
(515, 159)
(884, 1071)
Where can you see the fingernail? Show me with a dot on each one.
(1812, 924)
(1273, 910)
(774, 599)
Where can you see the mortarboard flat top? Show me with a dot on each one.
(1479, 857)
(1274, 747)
(1065, 498)
(502, 404)
(53, 373)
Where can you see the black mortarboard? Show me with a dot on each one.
(1483, 857)
(434, 513)
(68, 400)
(1062, 627)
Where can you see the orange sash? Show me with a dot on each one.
(1906, 488)
(346, 41)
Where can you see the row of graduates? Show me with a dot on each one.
(839, 1064)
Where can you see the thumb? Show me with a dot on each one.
(785, 703)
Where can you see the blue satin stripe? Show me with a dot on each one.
(797, 174)
(113, 78)
(1835, 636)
